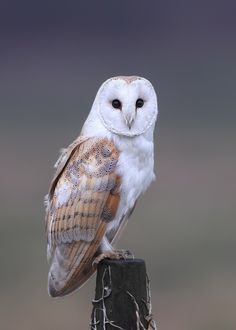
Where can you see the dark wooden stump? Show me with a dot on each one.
(122, 297)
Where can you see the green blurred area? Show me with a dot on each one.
(184, 226)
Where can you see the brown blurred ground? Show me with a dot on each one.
(53, 59)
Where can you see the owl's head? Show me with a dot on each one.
(126, 105)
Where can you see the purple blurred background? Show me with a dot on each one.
(53, 57)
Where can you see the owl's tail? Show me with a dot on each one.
(71, 267)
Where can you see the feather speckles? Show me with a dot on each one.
(106, 215)
(63, 193)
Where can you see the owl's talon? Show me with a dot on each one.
(115, 255)
(127, 254)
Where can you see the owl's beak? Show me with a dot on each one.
(129, 119)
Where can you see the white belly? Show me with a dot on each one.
(135, 167)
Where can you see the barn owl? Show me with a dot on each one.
(98, 180)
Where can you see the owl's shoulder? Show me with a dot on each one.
(87, 148)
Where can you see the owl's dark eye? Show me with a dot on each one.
(139, 103)
(116, 104)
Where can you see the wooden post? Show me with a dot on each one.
(122, 297)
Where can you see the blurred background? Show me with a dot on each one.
(53, 57)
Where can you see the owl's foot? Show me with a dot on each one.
(115, 254)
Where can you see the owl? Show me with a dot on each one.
(98, 180)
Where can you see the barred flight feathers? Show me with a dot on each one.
(83, 199)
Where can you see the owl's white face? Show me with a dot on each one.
(127, 105)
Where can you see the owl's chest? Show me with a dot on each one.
(135, 166)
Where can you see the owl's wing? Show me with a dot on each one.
(83, 199)
(115, 233)
(64, 158)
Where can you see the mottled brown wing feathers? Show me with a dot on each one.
(80, 265)
(83, 198)
(63, 159)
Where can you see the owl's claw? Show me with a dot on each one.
(116, 254)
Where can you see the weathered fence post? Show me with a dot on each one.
(122, 297)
